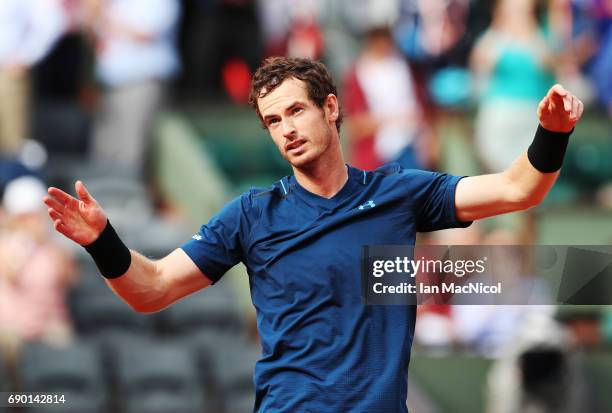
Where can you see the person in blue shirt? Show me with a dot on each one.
(135, 59)
(301, 240)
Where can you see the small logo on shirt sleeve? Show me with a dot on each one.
(197, 237)
(369, 204)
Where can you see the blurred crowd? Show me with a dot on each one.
(89, 78)
(402, 66)
(133, 50)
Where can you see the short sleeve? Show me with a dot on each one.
(219, 245)
(435, 200)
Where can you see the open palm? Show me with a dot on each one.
(81, 220)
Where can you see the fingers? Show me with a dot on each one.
(559, 110)
(574, 111)
(60, 227)
(557, 90)
(53, 203)
(62, 197)
(560, 97)
(83, 193)
(580, 109)
(542, 106)
(54, 214)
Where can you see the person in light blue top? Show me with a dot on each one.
(136, 40)
(136, 56)
(323, 349)
(512, 65)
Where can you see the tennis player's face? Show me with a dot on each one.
(300, 129)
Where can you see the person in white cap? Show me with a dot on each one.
(34, 272)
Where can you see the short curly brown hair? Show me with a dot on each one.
(275, 70)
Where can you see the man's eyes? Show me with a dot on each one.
(294, 111)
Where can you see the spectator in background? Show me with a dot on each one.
(512, 61)
(222, 48)
(433, 32)
(305, 37)
(435, 327)
(437, 36)
(274, 30)
(382, 109)
(489, 329)
(569, 29)
(601, 66)
(485, 329)
(539, 371)
(291, 27)
(60, 78)
(34, 271)
(135, 58)
(28, 30)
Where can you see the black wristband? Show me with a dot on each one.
(547, 150)
(110, 254)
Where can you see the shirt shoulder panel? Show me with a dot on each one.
(430, 194)
(225, 239)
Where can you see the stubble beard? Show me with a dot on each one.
(313, 155)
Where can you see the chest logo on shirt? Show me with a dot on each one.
(197, 237)
(369, 204)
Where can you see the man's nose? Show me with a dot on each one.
(289, 130)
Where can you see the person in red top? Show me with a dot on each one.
(383, 112)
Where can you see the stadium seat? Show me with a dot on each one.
(62, 128)
(73, 370)
(96, 311)
(4, 383)
(158, 377)
(159, 237)
(242, 403)
(89, 282)
(99, 314)
(214, 308)
(206, 346)
(234, 364)
(126, 202)
(225, 360)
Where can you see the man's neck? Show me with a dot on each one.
(325, 179)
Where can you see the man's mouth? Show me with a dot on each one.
(294, 145)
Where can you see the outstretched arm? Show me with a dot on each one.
(144, 284)
(522, 185)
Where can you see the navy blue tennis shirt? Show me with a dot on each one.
(323, 349)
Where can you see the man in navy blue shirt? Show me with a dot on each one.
(301, 241)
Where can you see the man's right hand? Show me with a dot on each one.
(81, 220)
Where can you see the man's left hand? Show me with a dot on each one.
(559, 111)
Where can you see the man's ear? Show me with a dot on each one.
(332, 108)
